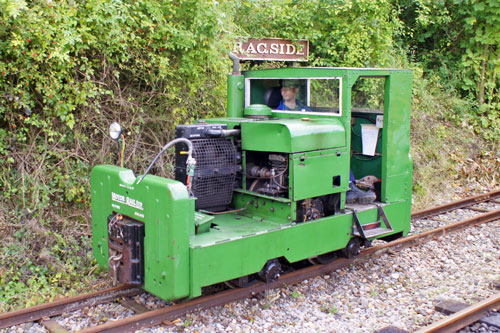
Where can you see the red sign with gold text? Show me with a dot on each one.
(272, 49)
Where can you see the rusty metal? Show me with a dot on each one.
(373, 225)
(464, 317)
(126, 244)
(133, 305)
(433, 218)
(441, 231)
(65, 305)
(156, 317)
(113, 263)
(491, 196)
(172, 312)
(478, 209)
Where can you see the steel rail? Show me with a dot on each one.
(456, 205)
(464, 317)
(157, 317)
(65, 305)
(79, 302)
(440, 231)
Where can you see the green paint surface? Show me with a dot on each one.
(292, 135)
(186, 250)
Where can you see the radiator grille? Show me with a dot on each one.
(217, 164)
(214, 153)
(215, 172)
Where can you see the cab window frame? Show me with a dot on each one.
(248, 81)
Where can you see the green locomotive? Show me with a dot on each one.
(262, 188)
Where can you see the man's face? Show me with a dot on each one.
(289, 93)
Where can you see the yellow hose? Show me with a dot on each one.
(123, 150)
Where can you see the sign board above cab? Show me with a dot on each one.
(271, 49)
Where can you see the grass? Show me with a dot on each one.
(329, 309)
(442, 145)
(40, 264)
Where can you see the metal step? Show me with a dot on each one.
(377, 232)
(372, 232)
(373, 229)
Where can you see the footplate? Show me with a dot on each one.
(126, 249)
(374, 229)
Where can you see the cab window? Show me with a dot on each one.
(296, 95)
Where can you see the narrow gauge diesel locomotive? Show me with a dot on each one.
(263, 188)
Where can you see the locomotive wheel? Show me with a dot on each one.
(352, 249)
(323, 259)
(271, 271)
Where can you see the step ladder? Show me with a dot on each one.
(374, 229)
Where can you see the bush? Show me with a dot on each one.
(67, 70)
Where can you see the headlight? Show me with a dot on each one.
(115, 130)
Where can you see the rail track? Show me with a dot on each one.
(145, 318)
(464, 317)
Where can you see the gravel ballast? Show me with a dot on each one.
(398, 289)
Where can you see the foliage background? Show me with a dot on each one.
(69, 68)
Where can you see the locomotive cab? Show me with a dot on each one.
(371, 104)
(266, 186)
